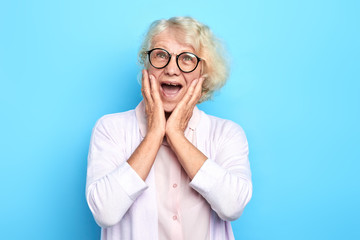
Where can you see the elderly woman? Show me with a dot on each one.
(167, 170)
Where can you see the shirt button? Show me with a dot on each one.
(174, 185)
(174, 217)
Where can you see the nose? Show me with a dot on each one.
(172, 68)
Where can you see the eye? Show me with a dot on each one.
(187, 58)
(161, 54)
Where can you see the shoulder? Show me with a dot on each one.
(220, 129)
(117, 120)
(219, 124)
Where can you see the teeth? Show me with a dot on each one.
(172, 84)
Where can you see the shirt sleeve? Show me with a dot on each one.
(111, 185)
(225, 181)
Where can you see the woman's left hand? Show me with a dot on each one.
(190, 158)
(182, 113)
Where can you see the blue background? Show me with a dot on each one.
(294, 88)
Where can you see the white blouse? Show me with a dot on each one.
(126, 207)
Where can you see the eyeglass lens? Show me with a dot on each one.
(187, 62)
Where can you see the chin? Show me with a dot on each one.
(168, 107)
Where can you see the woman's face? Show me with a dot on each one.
(173, 83)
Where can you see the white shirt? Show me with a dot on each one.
(182, 212)
(126, 207)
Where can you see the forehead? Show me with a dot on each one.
(172, 40)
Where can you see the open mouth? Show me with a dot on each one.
(170, 89)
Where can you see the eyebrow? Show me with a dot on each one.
(188, 51)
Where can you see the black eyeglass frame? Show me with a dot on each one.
(177, 59)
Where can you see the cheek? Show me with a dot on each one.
(191, 76)
(155, 72)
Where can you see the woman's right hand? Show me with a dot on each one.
(121, 194)
(155, 114)
(144, 155)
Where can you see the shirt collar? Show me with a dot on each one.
(141, 119)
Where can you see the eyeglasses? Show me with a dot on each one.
(160, 58)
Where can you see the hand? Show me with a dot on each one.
(155, 115)
(182, 113)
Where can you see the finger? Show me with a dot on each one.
(145, 89)
(197, 92)
(154, 87)
(144, 75)
(189, 93)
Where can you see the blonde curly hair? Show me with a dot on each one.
(206, 45)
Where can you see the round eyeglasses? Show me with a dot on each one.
(160, 58)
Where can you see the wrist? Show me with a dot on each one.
(174, 134)
(155, 136)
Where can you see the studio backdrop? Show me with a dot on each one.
(294, 87)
